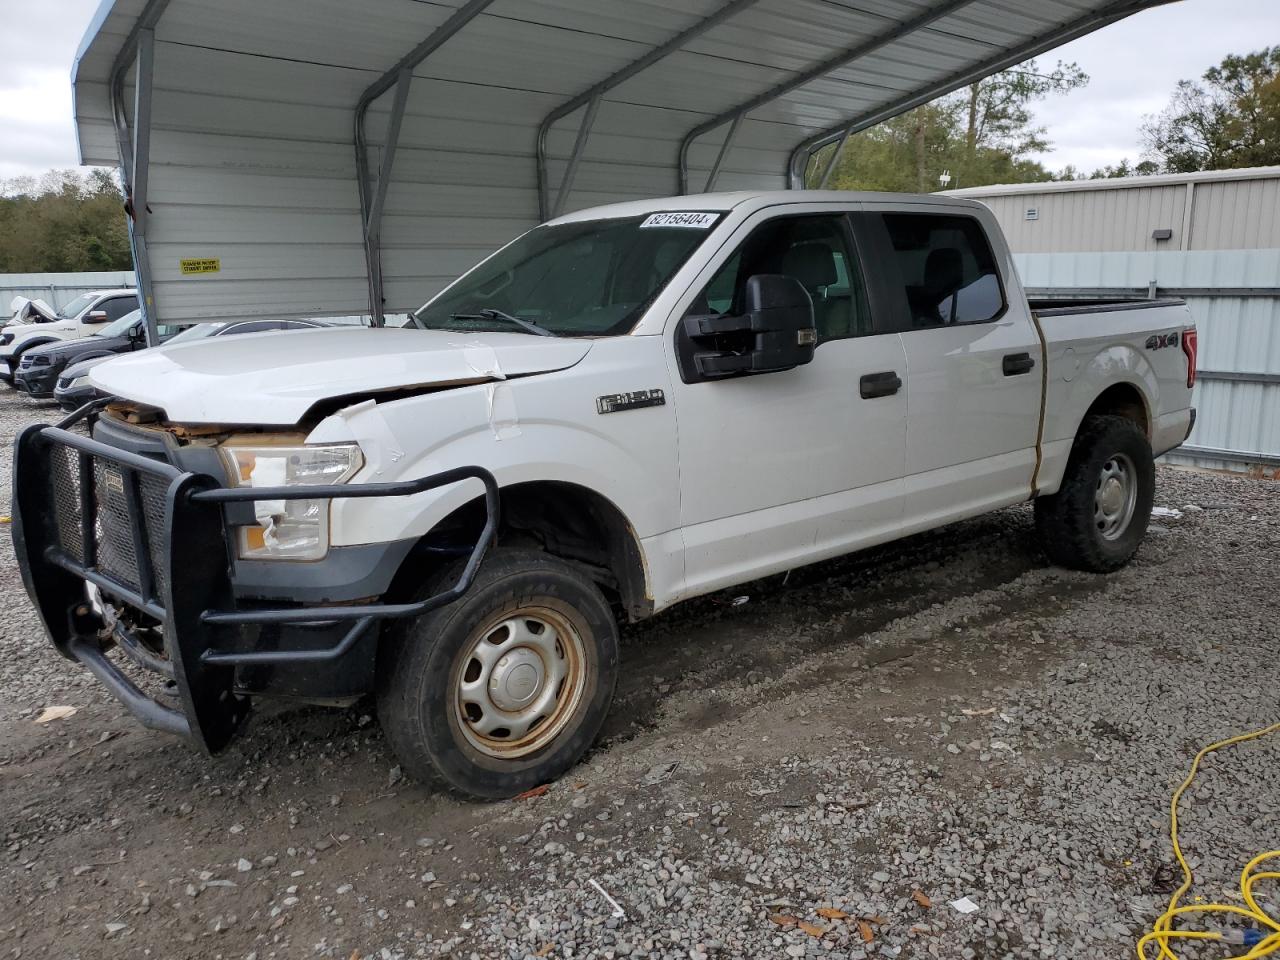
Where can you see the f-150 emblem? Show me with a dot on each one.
(1158, 341)
(617, 402)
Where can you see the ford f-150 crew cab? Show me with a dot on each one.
(621, 409)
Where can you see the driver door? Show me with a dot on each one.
(782, 469)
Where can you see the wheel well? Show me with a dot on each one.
(1122, 400)
(572, 522)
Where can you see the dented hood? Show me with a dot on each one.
(275, 378)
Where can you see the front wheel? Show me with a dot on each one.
(1099, 515)
(506, 688)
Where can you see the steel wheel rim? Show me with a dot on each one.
(1116, 496)
(520, 679)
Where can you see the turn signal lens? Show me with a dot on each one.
(1191, 347)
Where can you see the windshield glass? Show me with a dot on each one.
(587, 279)
(198, 331)
(76, 305)
(120, 328)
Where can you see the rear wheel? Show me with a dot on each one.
(1099, 516)
(506, 688)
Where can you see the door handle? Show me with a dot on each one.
(1017, 363)
(874, 385)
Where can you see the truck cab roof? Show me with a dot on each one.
(748, 201)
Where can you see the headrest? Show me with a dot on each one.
(943, 271)
(811, 263)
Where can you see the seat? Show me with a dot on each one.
(812, 262)
(943, 275)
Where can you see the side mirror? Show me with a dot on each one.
(776, 332)
(96, 316)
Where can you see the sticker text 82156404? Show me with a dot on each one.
(680, 218)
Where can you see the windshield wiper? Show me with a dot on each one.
(488, 313)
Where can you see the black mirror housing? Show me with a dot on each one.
(776, 332)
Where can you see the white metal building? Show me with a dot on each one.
(330, 156)
(1213, 238)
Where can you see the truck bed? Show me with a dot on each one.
(1065, 306)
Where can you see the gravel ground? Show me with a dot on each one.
(818, 771)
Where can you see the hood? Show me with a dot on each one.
(24, 310)
(274, 378)
(67, 351)
(80, 367)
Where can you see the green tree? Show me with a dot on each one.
(63, 221)
(1229, 119)
(1124, 168)
(979, 135)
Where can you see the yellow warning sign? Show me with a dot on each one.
(200, 265)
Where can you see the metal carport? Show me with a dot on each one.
(336, 157)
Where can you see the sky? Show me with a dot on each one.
(1133, 66)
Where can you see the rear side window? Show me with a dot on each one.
(118, 307)
(946, 268)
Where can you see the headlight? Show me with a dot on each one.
(289, 529)
(76, 384)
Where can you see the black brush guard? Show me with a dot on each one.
(155, 538)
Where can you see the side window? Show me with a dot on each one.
(813, 249)
(117, 307)
(946, 268)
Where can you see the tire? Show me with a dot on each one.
(1091, 523)
(447, 677)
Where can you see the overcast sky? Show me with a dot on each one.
(1133, 66)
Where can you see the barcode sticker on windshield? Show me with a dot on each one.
(698, 221)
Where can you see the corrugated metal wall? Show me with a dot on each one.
(1235, 302)
(1220, 210)
(1236, 214)
(57, 289)
(1085, 220)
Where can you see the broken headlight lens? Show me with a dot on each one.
(289, 529)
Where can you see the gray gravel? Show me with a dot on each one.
(872, 738)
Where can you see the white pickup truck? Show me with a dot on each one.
(622, 409)
(82, 317)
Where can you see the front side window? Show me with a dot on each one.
(587, 279)
(815, 251)
(947, 271)
(121, 327)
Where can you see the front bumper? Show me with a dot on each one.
(155, 540)
(38, 382)
(73, 398)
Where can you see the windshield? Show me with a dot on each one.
(77, 305)
(198, 331)
(587, 279)
(120, 328)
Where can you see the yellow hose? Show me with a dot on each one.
(1162, 931)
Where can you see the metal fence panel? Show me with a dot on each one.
(57, 289)
(1235, 302)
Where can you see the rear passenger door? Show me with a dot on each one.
(973, 361)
